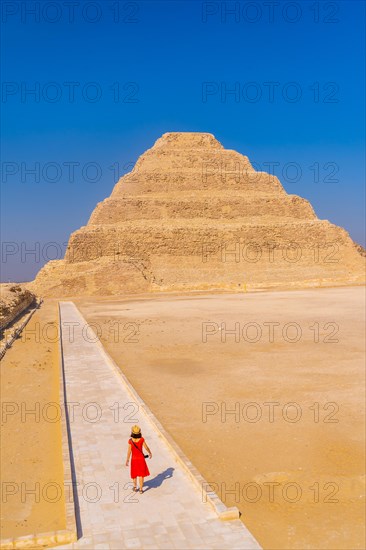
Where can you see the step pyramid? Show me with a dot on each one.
(193, 215)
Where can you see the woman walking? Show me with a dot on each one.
(139, 468)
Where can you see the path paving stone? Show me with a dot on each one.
(171, 513)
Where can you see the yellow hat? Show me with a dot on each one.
(136, 429)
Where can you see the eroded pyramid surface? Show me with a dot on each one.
(195, 216)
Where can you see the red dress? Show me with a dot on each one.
(138, 463)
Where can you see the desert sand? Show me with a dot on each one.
(31, 450)
(298, 480)
(311, 455)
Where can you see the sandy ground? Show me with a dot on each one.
(31, 454)
(294, 467)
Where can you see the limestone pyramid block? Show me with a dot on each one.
(195, 216)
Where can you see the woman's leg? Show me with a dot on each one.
(141, 483)
(134, 481)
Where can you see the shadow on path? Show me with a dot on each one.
(158, 480)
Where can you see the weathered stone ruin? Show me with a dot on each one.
(195, 216)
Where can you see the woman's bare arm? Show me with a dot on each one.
(147, 448)
(128, 454)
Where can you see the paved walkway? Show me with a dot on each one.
(171, 513)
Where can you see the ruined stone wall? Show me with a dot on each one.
(14, 299)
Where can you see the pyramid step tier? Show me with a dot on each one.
(238, 207)
(194, 160)
(175, 181)
(141, 240)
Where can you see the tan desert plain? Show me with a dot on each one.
(248, 323)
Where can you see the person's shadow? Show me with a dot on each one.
(158, 480)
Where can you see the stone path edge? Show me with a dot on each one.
(70, 534)
(222, 511)
(67, 456)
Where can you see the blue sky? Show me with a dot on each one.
(108, 84)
